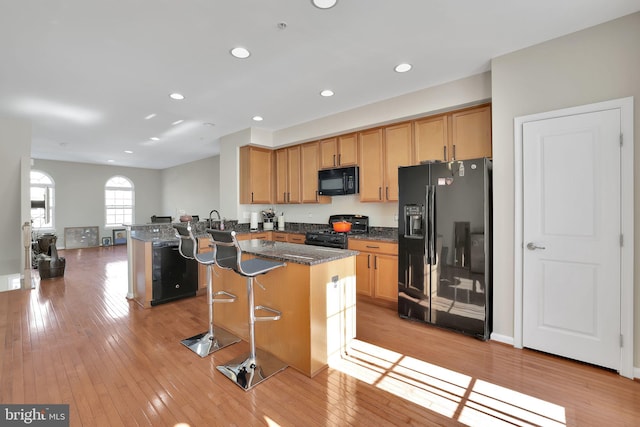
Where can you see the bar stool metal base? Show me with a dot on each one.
(205, 343)
(247, 372)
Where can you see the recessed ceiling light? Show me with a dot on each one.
(324, 4)
(110, 161)
(177, 122)
(154, 138)
(258, 118)
(150, 116)
(327, 92)
(128, 151)
(177, 96)
(402, 68)
(240, 52)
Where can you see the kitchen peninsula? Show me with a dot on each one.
(316, 293)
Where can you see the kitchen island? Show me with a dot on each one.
(315, 292)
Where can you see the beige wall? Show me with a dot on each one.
(592, 65)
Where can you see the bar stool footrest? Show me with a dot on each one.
(277, 313)
(247, 372)
(204, 344)
(230, 297)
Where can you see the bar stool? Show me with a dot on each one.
(247, 370)
(210, 341)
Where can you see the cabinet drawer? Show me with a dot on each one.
(280, 237)
(266, 235)
(296, 238)
(373, 246)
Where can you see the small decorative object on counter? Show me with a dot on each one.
(185, 218)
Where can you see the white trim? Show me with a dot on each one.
(505, 339)
(625, 105)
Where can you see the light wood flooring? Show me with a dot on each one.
(78, 340)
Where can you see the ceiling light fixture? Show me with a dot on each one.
(240, 52)
(150, 116)
(128, 151)
(402, 68)
(257, 118)
(177, 122)
(154, 138)
(110, 161)
(177, 96)
(324, 4)
(326, 92)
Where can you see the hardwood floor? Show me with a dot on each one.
(78, 340)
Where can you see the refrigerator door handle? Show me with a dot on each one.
(430, 246)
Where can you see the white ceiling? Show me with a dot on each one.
(88, 72)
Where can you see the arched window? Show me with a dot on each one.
(118, 201)
(42, 200)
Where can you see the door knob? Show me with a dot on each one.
(532, 246)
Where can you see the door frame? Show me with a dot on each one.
(625, 105)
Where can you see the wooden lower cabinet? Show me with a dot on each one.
(376, 270)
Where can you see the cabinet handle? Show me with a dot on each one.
(334, 160)
(454, 152)
(379, 193)
(316, 195)
(252, 197)
(444, 149)
(386, 192)
(373, 247)
(368, 261)
(339, 159)
(375, 262)
(288, 197)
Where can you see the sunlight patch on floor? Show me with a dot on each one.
(449, 393)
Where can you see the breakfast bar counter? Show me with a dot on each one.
(316, 293)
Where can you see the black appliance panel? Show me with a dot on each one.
(174, 276)
(339, 181)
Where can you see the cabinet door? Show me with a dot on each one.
(371, 178)
(430, 139)
(348, 150)
(397, 152)
(256, 175)
(363, 273)
(294, 194)
(471, 133)
(309, 165)
(386, 277)
(329, 153)
(281, 176)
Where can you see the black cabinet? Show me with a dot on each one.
(174, 276)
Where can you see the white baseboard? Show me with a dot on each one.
(502, 338)
(509, 340)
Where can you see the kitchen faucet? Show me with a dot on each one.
(210, 221)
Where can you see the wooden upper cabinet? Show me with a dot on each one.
(288, 174)
(339, 151)
(256, 175)
(471, 133)
(397, 152)
(431, 139)
(310, 163)
(371, 175)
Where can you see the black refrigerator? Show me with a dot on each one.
(444, 245)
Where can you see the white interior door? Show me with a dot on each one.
(571, 234)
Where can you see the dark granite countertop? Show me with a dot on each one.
(292, 252)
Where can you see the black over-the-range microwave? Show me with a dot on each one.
(338, 182)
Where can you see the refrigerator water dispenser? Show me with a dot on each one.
(414, 221)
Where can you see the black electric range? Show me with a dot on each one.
(334, 239)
